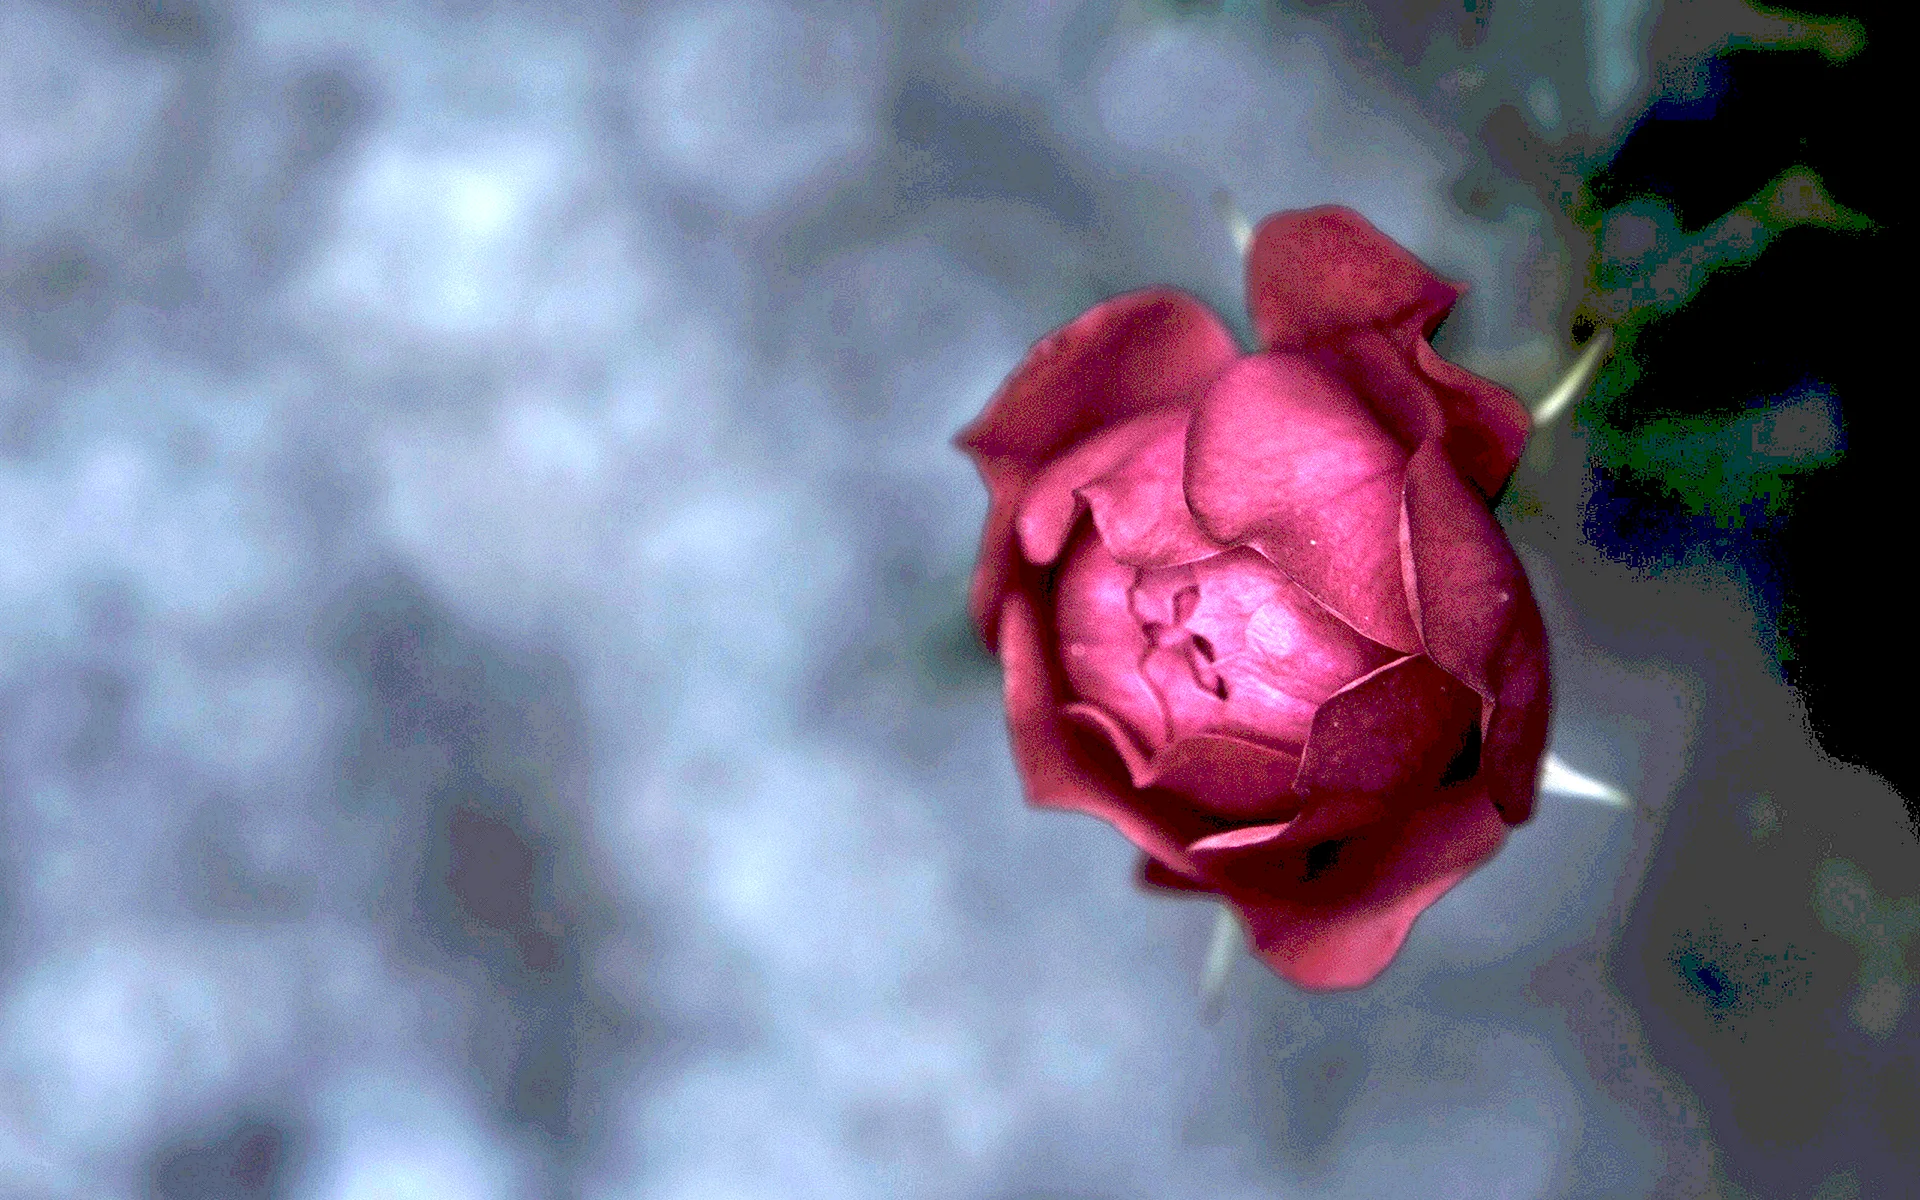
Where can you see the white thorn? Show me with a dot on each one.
(1576, 381)
(1563, 780)
(1238, 227)
(1220, 956)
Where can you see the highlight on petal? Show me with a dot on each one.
(1281, 455)
(1347, 943)
(1056, 762)
(1396, 729)
(1158, 875)
(1139, 501)
(1315, 272)
(1131, 355)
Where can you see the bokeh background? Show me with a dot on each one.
(485, 710)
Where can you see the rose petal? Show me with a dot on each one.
(1050, 507)
(1516, 729)
(1348, 942)
(1282, 456)
(1394, 729)
(1279, 651)
(1467, 584)
(1131, 355)
(1316, 272)
(1487, 425)
(1314, 850)
(1059, 765)
(1139, 503)
(1156, 874)
(1229, 777)
(1101, 645)
(1384, 376)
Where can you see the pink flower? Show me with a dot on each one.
(1254, 610)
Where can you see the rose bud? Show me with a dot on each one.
(1255, 610)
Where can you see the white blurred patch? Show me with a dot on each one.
(400, 1137)
(443, 238)
(1543, 101)
(508, 518)
(1805, 429)
(726, 585)
(1617, 43)
(752, 99)
(104, 1041)
(189, 544)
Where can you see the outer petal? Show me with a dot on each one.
(1487, 424)
(1345, 934)
(1394, 729)
(1281, 455)
(1060, 766)
(1479, 621)
(1516, 728)
(1467, 583)
(1315, 853)
(1325, 277)
(1314, 273)
(1134, 354)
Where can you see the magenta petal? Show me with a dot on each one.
(1323, 851)
(1054, 759)
(1050, 507)
(1101, 645)
(1229, 777)
(1097, 720)
(1487, 425)
(1394, 729)
(1467, 584)
(1139, 501)
(1347, 943)
(1279, 651)
(1156, 874)
(1316, 272)
(1282, 456)
(1383, 375)
(1516, 734)
(1132, 355)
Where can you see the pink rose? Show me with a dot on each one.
(1254, 610)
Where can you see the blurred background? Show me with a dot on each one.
(485, 706)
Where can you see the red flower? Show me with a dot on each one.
(1255, 610)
